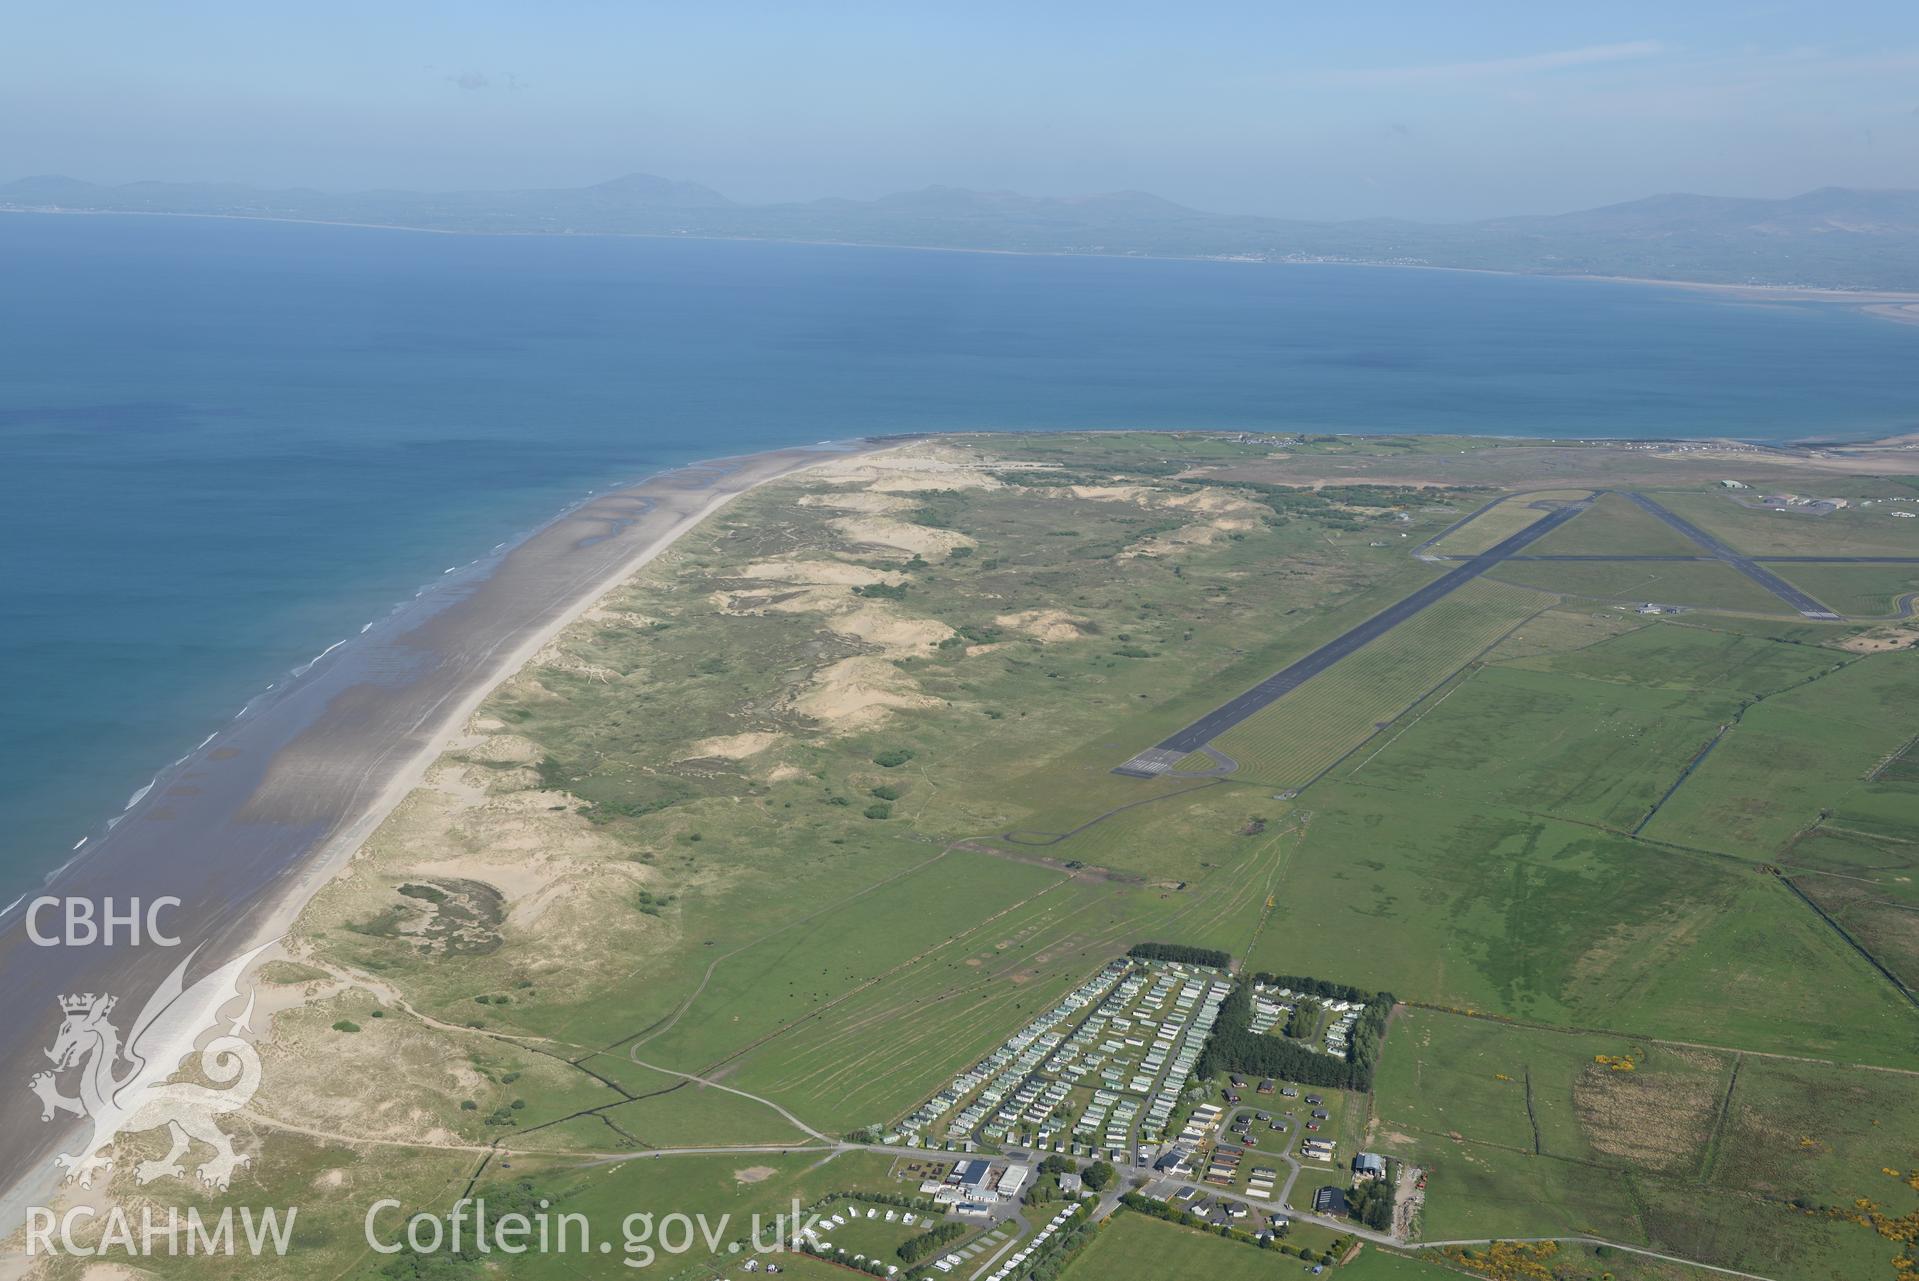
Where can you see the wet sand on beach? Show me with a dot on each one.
(244, 830)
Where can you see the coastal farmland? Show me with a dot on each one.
(1615, 526)
(1700, 584)
(1682, 1149)
(1859, 591)
(1504, 518)
(820, 808)
(1294, 740)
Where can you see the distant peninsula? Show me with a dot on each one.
(1833, 238)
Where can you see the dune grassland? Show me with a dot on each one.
(818, 808)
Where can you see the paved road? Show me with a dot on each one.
(1162, 755)
(1744, 564)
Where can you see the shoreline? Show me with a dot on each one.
(640, 521)
(1898, 306)
(347, 751)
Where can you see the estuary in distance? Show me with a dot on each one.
(185, 528)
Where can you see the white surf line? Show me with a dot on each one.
(303, 670)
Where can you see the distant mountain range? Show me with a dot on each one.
(1836, 238)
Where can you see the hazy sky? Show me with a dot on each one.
(1417, 109)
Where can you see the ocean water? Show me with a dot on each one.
(228, 445)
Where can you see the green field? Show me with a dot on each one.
(1690, 1151)
(1593, 751)
(1857, 591)
(1305, 732)
(1803, 751)
(820, 806)
(1851, 531)
(1135, 1247)
(1702, 585)
(1680, 654)
(1554, 921)
(1614, 526)
(1497, 523)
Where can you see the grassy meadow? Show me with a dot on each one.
(819, 806)
(1706, 1154)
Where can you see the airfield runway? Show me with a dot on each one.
(1744, 564)
(1163, 755)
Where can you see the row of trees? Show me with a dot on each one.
(1371, 1202)
(925, 1243)
(1235, 1047)
(1052, 1255)
(1181, 953)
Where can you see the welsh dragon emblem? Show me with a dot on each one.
(123, 1085)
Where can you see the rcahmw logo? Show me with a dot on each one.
(75, 922)
(123, 1086)
(261, 1232)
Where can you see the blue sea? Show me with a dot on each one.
(229, 444)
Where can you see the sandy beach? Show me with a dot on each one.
(246, 829)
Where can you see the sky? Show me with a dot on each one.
(1370, 108)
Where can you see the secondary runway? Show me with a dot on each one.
(1163, 755)
(1168, 752)
(1744, 564)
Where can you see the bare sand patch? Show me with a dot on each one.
(892, 631)
(858, 692)
(502, 749)
(1216, 502)
(555, 656)
(859, 500)
(1049, 626)
(734, 747)
(1897, 636)
(818, 573)
(1224, 514)
(883, 531)
(1141, 494)
(1208, 501)
(754, 1174)
(912, 469)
